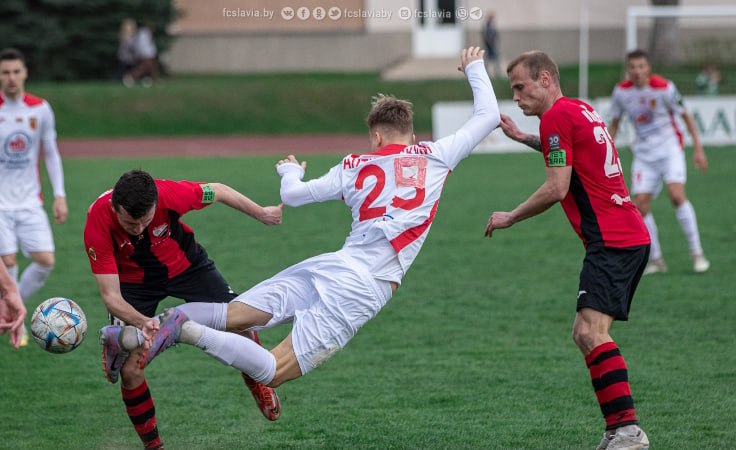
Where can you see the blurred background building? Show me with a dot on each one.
(230, 36)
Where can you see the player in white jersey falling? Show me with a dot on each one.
(26, 122)
(651, 102)
(393, 193)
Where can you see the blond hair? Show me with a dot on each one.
(391, 115)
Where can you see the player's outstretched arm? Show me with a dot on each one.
(486, 116)
(510, 129)
(294, 192)
(269, 215)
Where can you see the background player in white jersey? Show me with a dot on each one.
(26, 122)
(393, 193)
(651, 102)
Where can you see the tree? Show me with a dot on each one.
(663, 45)
(76, 39)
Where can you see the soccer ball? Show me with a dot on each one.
(58, 325)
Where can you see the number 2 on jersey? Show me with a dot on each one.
(612, 165)
(369, 211)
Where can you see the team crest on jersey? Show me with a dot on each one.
(652, 103)
(92, 254)
(160, 230)
(410, 171)
(33, 123)
(554, 141)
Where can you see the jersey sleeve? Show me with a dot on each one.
(295, 192)
(486, 117)
(52, 158)
(98, 244)
(556, 137)
(184, 196)
(616, 109)
(674, 100)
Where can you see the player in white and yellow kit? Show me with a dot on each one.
(26, 122)
(393, 193)
(651, 102)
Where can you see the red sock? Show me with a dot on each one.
(142, 412)
(611, 383)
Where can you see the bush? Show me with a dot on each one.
(77, 39)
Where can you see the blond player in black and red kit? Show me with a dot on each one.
(140, 253)
(584, 175)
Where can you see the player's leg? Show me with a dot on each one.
(36, 240)
(136, 395)
(646, 183)
(138, 401)
(607, 284)
(675, 178)
(202, 284)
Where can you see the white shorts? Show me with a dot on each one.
(327, 297)
(29, 227)
(647, 176)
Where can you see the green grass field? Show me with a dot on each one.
(474, 350)
(279, 103)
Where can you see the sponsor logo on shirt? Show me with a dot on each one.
(557, 158)
(17, 144)
(161, 229)
(617, 199)
(208, 194)
(554, 141)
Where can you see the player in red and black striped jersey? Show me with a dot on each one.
(140, 253)
(584, 175)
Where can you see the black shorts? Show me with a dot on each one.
(609, 279)
(201, 283)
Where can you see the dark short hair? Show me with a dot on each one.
(535, 62)
(392, 114)
(12, 54)
(636, 54)
(135, 192)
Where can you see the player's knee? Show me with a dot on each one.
(10, 260)
(583, 336)
(45, 260)
(678, 200)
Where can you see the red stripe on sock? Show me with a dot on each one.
(609, 365)
(135, 392)
(614, 391)
(133, 411)
(146, 427)
(605, 347)
(139, 409)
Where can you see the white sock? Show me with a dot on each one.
(32, 279)
(655, 252)
(233, 350)
(686, 216)
(131, 337)
(211, 315)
